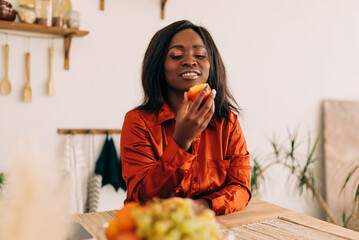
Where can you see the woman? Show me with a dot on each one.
(171, 146)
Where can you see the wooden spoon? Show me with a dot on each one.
(52, 88)
(5, 84)
(27, 92)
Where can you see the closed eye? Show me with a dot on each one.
(201, 56)
(175, 56)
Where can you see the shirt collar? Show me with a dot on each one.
(166, 114)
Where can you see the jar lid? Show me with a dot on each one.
(27, 6)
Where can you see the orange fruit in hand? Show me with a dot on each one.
(194, 91)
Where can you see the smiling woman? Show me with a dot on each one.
(186, 63)
(175, 146)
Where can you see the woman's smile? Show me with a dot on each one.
(190, 74)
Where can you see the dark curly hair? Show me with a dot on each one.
(153, 80)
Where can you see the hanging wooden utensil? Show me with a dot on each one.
(5, 87)
(102, 5)
(27, 92)
(163, 4)
(52, 87)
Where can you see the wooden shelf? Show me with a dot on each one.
(162, 2)
(67, 33)
(74, 131)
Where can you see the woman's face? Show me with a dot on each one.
(186, 63)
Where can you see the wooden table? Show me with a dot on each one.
(256, 211)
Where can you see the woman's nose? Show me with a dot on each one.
(189, 61)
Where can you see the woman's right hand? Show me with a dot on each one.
(192, 119)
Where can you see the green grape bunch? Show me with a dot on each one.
(174, 219)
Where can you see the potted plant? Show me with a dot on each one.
(299, 165)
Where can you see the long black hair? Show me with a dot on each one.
(154, 82)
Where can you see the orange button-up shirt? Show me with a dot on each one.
(153, 165)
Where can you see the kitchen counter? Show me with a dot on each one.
(259, 219)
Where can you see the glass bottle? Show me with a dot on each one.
(58, 13)
(44, 12)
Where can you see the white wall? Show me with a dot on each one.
(283, 58)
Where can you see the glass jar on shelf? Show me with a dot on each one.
(27, 13)
(58, 13)
(44, 12)
(73, 19)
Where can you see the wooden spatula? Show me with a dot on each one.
(5, 87)
(27, 92)
(52, 87)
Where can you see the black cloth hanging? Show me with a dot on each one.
(109, 167)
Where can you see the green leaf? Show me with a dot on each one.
(345, 219)
(310, 156)
(276, 151)
(2, 179)
(301, 184)
(256, 169)
(348, 177)
(312, 180)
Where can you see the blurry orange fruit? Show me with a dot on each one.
(112, 230)
(125, 218)
(127, 236)
(123, 222)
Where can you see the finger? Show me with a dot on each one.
(184, 105)
(189, 104)
(185, 98)
(207, 118)
(198, 100)
(208, 105)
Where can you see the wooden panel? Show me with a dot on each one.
(341, 148)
